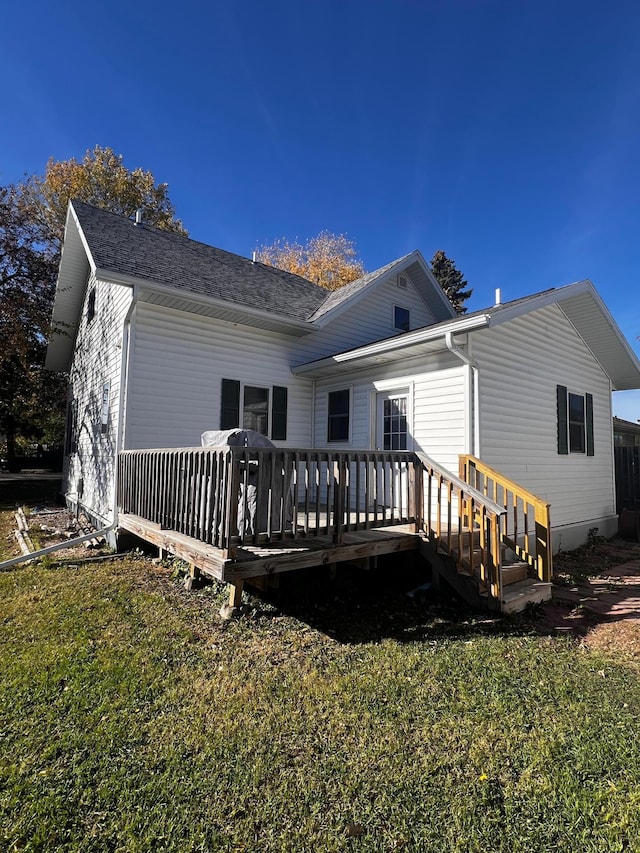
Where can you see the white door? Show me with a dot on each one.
(392, 433)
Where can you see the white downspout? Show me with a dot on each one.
(473, 410)
(124, 382)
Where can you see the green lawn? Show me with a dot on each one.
(133, 719)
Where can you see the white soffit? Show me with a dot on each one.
(595, 325)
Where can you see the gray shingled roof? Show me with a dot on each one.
(119, 245)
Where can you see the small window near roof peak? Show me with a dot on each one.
(401, 318)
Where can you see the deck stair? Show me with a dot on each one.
(494, 548)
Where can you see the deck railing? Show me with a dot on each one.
(233, 497)
(527, 521)
(464, 523)
(228, 497)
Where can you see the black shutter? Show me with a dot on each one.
(230, 409)
(563, 441)
(279, 413)
(589, 424)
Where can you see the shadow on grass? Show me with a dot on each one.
(30, 490)
(370, 606)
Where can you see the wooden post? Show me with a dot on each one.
(543, 542)
(234, 607)
(192, 578)
(235, 594)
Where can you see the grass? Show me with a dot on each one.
(133, 719)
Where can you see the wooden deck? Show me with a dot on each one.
(237, 514)
(253, 561)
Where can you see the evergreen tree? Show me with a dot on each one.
(451, 280)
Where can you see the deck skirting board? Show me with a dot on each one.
(289, 555)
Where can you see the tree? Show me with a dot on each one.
(451, 280)
(330, 260)
(30, 401)
(32, 220)
(101, 179)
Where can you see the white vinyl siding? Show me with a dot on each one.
(520, 364)
(436, 388)
(89, 472)
(370, 319)
(178, 363)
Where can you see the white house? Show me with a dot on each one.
(165, 337)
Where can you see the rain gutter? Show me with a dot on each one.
(68, 543)
(472, 407)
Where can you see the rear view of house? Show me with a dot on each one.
(168, 338)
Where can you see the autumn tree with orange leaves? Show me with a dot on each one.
(101, 179)
(330, 260)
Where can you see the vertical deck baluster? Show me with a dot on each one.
(358, 495)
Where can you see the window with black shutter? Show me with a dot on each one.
(260, 408)
(575, 422)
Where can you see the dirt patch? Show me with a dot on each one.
(55, 525)
(596, 596)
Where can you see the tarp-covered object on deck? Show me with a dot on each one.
(260, 500)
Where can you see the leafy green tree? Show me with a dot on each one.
(330, 260)
(451, 280)
(101, 179)
(29, 399)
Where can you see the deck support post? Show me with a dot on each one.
(192, 578)
(234, 607)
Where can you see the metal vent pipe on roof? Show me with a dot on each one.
(498, 296)
(139, 216)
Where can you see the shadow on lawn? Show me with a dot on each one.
(369, 606)
(21, 489)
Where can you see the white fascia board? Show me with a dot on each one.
(404, 341)
(71, 213)
(146, 285)
(500, 314)
(360, 294)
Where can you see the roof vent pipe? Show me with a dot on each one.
(139, 216)
(498, 296)
(253, 258)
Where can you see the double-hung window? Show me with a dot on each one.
(338, 409)
(575, 422)
(257, 407)
(401, 318)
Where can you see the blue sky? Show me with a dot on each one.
(506, 133)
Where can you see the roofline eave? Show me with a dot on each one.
(427, 334)
(145, 284)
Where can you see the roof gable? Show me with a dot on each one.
(420, 274)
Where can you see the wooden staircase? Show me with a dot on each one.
(486, 537)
